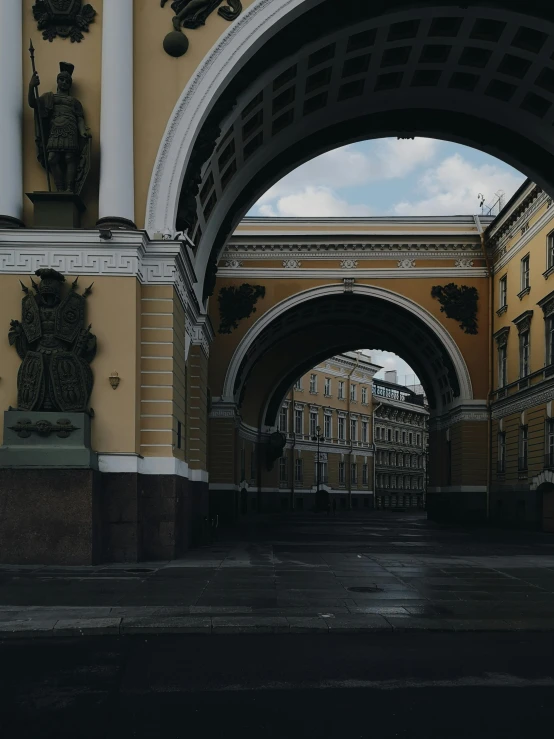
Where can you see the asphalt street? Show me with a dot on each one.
(422, 685)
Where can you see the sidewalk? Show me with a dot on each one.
(303, 574)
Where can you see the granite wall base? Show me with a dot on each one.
(457, 507)
(50, 516)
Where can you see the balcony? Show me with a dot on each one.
(532, 380)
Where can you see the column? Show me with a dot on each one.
(11, 113)
(117, 194)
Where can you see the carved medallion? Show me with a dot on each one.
(64, 18)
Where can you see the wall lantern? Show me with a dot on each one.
(115, 379)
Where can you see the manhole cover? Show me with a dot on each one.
(140, 569)
(366, 589)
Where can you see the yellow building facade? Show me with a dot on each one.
(188, 128)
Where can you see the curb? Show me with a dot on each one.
(212, 626)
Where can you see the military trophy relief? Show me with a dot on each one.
(193, 14)
(63, 144)
(55, 380)
(63, 18)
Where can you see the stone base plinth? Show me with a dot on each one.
(49, 516)
(42, 440)
(56, 209)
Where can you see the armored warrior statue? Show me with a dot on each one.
(55, 346)
(61, 134)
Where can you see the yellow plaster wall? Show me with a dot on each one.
(111, 309)
(474, 348)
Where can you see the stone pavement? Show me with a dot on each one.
(300, 573)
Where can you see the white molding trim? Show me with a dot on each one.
(543, 221)
(546, 476)
(127, 254)
(134, 463)
(477, 411)
(454, 353)
(241, 40)
(522, 401)
(269, 273)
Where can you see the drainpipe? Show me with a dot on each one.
(349, 431)
(374, 453)
(491, 359)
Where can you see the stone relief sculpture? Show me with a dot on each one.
(459, 303)
(61, 135)
(55, 345)
(193, 14)
(63, 18)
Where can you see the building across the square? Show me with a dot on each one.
(372, 439)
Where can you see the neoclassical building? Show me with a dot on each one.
(147, 321)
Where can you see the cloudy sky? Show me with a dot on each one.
(391, 177)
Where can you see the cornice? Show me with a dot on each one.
(507, 255)
(127, 254)
(269, 273)
(374, 251)
(523, 400)
(459, 414)
(520, 210)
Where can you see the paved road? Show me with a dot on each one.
(378, 563)
(419, 686)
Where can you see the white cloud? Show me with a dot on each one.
(348, 167)
(452, 187)
(313, 202)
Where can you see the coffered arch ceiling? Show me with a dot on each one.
(314, 330)
(481, 74)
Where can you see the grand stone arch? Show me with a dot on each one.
(257, 107)
(382, 314)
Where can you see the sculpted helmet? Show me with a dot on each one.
(50, 287)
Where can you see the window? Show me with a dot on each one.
(298, 384)
(549, 323)
(403, 437)
(298, 470)
(420, 483)
(313, 423)
(283, 419)
(365, 432)
(524, 350)
(523, 443)
(341, 473)
(418, 439)
(364, 474)
(406, 460)
(298, 421)
(283, 473)
(393, 481)
(501, 467)
(410, 438)
(400, 483)
(342, 428)
(389, 435)
(341, 390)
(323, 473)
(502, 365)
(327, 386)
(396, 435)
(313, 383)
(353, 429)
(503, 292)
(549, 462)
(525, 273)
(354, 473)
(353, 392)
(327, 427)
(550, 250)
(364, 395)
